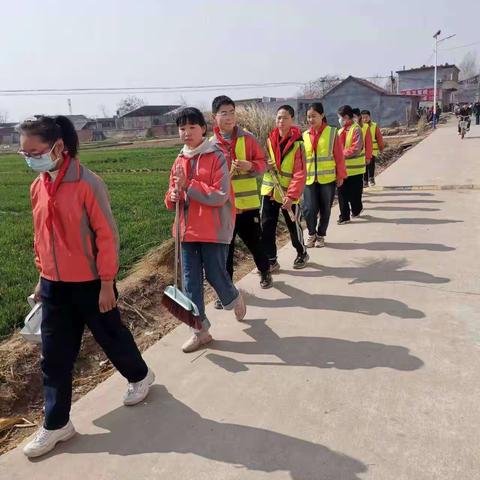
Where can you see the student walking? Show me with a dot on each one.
(377, 147)
(325, 171)
(247, 161)
(287, 166)
(350, 193)
(76, 252)
(200, 181)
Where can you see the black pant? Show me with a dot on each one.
(66, 309)
(350, 195)
(270, 212)
(318, 199)
(477, 119)
(370, 172)
(248, 228)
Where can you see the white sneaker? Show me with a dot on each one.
(45, 440)
(196, 341)
(138, 391)
(240, 308)
(311, 241)
(320, 242)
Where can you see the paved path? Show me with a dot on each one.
(363, 366)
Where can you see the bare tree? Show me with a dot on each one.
(129, 104)
(319, 87)
(104, 110)
(3, 116)
(469, 66)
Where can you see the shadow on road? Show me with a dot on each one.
(318, 352)
(164, 424)
(408, 221)
(336, 303)
(404, 209)
(383, 270)
(391, 246)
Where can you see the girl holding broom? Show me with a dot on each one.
(200, 181)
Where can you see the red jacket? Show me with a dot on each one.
(207, 207)
(82, 244)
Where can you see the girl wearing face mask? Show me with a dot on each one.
(325, 171)
(200, 181)
(350, 193)
(76, 252)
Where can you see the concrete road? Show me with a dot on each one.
(363, 366)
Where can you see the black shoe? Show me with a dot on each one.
(274, 266)
(372, 182)
(266, 280)
(355, 215)
(301, 261)
(341, 221)
(365, 184)
(218, 304)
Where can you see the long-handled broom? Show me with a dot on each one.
(174, 300)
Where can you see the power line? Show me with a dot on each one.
(461, 46)
(144, 89)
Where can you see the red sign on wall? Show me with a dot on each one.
(425, 93)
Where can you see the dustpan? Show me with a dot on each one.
(31, 330)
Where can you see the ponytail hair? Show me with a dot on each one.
(51, 129)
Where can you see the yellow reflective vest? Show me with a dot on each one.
(320, 163)
(244, 184)
(285, 173)
(373, 131)
(355, 165)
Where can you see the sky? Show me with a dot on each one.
(124, 43)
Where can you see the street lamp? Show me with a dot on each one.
(437, 41)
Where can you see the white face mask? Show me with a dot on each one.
(341, 121)
(42, 163)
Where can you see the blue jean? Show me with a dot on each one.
(211, 258)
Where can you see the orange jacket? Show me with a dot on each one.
(207, 209)
(82, 244)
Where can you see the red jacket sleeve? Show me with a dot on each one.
(379, 138)
(255, 154)
(357, 143)
(103, 224)
(368, 145)
(33, 197)
(171, 186)
(340, 167)
(299, 176)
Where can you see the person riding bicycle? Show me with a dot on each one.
(465, 111)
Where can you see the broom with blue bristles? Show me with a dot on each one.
(174, 299)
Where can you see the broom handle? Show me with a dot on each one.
(177, 237)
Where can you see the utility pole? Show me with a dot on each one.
(437, 41)
(69, 101)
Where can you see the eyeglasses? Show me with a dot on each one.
(226, 114)
(38, 156)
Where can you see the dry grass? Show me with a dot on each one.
(256, 120)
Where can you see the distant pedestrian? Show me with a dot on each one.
(476, 112)
(378, 146)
